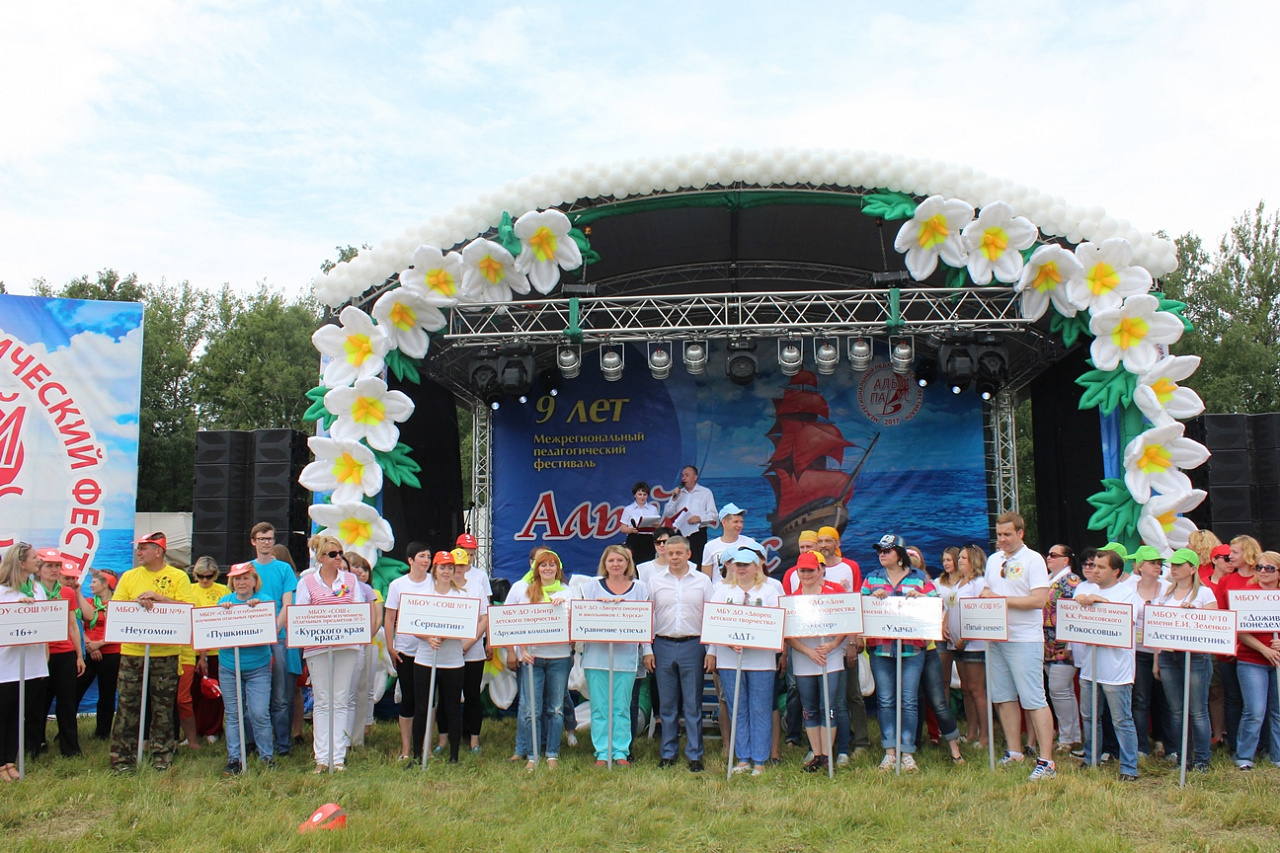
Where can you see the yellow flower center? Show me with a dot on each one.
(933, 232)
(1129, 332)
(1166, 520)
(368, 411)
(543, 243)
(442, 282)
(402, 316)
(1048, 277)
(358, 348)
(347, 470)
(994, 242)
(1164, 388)
(355, 532)
(1154, 459)
(490, 268)
(1102, 278)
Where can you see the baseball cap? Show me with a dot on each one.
(70, 569)
(443, 558)
(466, 540)
(1220, 551)
(240, 569)
(154, 539)
(1186, 555)
(49, 555)
(889, 540)
(809, 560)
(109, 578)
(1147, 553)
(1117, 548)
(742, 555)
(731, 509)
(461, 557)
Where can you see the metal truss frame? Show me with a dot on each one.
(482, 483)
(1004, 462)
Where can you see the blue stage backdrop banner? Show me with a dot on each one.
(70, 385)
(868, 453)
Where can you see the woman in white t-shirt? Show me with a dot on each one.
(403, 647)
(20, 563)
(970, 655)
(1186, 590)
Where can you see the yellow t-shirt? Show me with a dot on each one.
(170, 582)
(202, 597)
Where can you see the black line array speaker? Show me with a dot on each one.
(1242, 477)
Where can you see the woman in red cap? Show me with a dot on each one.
(102, 659)
(66, 660)
(18, 566)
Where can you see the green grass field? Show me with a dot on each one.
(487, 804)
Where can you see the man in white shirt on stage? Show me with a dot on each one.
(692, 510)
(1015, 669)
(680, 659)
(731, 520)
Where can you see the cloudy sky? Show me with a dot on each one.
(241, 141)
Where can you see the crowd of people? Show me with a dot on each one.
(812, 694)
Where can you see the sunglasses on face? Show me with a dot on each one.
(1057, 556)
(659, 542)
(1262, 567)
(333, 554)
(205, 577)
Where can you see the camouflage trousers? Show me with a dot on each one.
(162, 690)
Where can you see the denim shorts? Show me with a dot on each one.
(1016, 671)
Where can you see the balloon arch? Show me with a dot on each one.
(831, 250)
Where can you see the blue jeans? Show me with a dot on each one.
(753, 723)
(282, 686)
(1171, 671)
(1119, 699)
(550, 677)
(935, 690)
(257, 701)
(884, 670)
(1261, 703)
(680, 677)
(840, 707)
(812, 700)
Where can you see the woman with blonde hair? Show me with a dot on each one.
(551, 662)
(616, 581)
(747, 584)
(102, 659)
(1244, 554)
(1258, 656)
(18, 565)
(255, 679)
(192, 710)
(332, 667)
(1185, 590)
(970, 655)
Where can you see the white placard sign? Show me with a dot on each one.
(162, 625)
(901, 617)
(328, 625)
(1189, 629)
(1102, 624)
(445, 616)
(610, 621)
(38, 622)
(742, 625)
(984, 619)
(528, 624)
(822, 615)
(1256, 610)
(233, 627)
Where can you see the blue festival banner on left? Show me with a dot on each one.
(70, 392)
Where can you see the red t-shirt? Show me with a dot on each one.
(1251, 655)
(98, 631)
(67, 594)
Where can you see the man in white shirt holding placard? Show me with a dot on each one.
(1016, 668)
(1115, 666)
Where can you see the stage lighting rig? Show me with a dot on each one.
(483, 375)
(927, 371)
(660, 359)
(790, 356)
(612, 361)
(826, 355)
(695, 357)
(993, 371)
(860, 354)
(550, 382)
(569, 360)
(957, 364)
(902, 355)
(515, 371)
(741, 364)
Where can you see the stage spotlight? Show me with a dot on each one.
(927, 372)
(957, 363)
(695, 357)
(790, 357)
(612, 361)
(660, 359)
(493, 399)
(993, 370)
(569, 360)
(826, 356)
(515, 372)
(987, 389)
(741, 364)
(483, 373)
(550, 382)
(860, 354)
(902, 354)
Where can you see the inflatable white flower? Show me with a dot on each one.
(995, 241)
(547, 248)
(489, 273)
(1108, 277)
(1129, 334)
(1046, 278)
(346, 468)
(435, 275)
(1156, 458)
(368, 411)
(1159, 396)
(934, 231)
(1160, 524)
(356, 348)
(406, 316)
(357, 526)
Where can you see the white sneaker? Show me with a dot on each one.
(842, 760)
(887, 765)
(909, 762)
(808, 756)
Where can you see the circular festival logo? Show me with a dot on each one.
(886, 398)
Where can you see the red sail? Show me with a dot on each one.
(812, 486)
(794, 402)
(801, 444)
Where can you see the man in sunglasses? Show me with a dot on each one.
(1015, 668)
(151, 582)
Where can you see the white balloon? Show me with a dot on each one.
(1088, 229)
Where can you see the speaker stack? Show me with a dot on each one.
(1242, 477)
(243, 478)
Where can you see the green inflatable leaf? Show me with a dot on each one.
(399, 466)
(387, 570)
(316, 411)
(405, 367)
(889, 205)
(1175, 308)
(957, 277)
(1106, 390)
(507, 235)
(589, 255)
(1116, 512)
(1070, 328)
